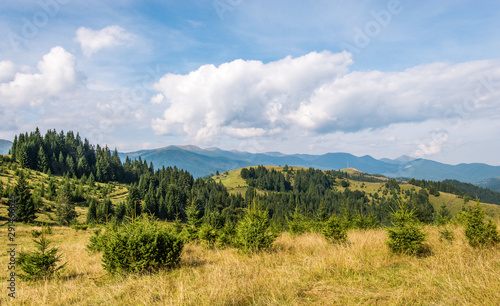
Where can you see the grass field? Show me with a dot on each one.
(303, 270)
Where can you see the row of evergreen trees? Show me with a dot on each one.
(465, 190)
(166, 194)
(61, 153)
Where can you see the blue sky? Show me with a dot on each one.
(384, 78)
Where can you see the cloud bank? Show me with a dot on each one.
(317, 94)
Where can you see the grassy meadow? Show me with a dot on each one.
(302, 270)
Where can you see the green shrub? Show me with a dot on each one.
(97, 241)
(333, 231)
(207, 235)
(253, 233)
(443, 215)
(143, 245)
(190, 232)
(41, 263)
(479, 233)
(405, 236)
(226, 236)
(446, 234)
(362, 221)
(297, 223)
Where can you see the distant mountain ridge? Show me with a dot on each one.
(202, 162)
(5, 146)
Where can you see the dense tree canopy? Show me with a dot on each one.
(62, 153)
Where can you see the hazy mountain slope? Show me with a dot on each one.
(5, 146)
(197, 163)
(202, 162)
(492, 183)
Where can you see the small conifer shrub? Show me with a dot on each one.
(479, 233)
(41, 263)
(208, 235)
(253, 233)
(143, 245)
(334, 231)
(405, 236)
(297, 223)
(445, 234)
(97, 241)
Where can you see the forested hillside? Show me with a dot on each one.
(465, 190)
(166, 193)
(60, 154)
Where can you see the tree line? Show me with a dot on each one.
(60, 154)
(467, 191)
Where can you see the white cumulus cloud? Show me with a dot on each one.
(92, 41)
(243, 98)
(57, 75)
(318, 94)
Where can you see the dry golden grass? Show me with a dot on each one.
(299, 270)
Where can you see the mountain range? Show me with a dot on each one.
(202, 162)
(5, 146)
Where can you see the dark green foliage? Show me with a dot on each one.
(334, 231)
(121, 211)
(459, 188)
(362, 221)
(207, 234)
(405, 236)
(97, 241)
(297, 223)
(478, 232)
(443, 216)
(62, 154)
(41, 263)
(92, 211)
(65, 210)
(80, 227)
(193, 222)
(143, 245)
(25, 208)
(252, 232)
(262, 178)
(226, 236)
(104, 211)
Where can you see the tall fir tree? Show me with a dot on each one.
(42, 160)
(25, 207)
(92, 211)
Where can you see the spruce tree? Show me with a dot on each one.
(92, 212)
(41, 263)
(193, 221)
(42, 161)
(65, 210)
(406, 235)
(253, 232)
(25, 208)
(479, 233)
